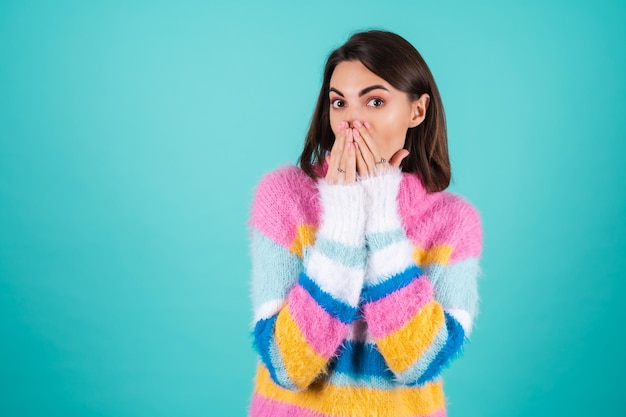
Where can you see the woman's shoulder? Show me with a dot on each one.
(287, 182)
(460, 223)
(417, 202)
(457, 205)
(442, 218)
(284, 199)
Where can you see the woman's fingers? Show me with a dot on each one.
(355, 153)
(361, 165)
(342, 160)
(333, 175)
(365, 152)
(363, 129)
(348, 159)
(397, 157)
(350, 154)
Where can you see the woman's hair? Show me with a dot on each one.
(395, 60)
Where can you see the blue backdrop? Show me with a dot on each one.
(133, 133)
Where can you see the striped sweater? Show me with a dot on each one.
(362, 293)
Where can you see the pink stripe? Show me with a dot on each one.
(284, 199)
(322, 331)
(266, 407)
(447, 220)
(440, 413)
(469, 242)
(389, 314)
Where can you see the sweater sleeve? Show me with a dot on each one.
(413, 331)
(304, 305)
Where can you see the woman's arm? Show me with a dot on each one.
(415, 334)
(303, 307)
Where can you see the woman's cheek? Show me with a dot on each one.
(379, 141)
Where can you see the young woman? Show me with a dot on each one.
(365, 270)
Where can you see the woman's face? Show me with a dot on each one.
(356, 93)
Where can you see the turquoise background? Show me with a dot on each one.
(132, 134)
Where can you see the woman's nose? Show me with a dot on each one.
(352, 116)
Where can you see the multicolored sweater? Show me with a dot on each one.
(362, 294)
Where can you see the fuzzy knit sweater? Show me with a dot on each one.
(362, 293)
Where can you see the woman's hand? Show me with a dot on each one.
(342, 159)
(368, 159)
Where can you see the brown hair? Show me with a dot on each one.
(394, 59)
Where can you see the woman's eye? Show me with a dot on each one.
(375, 102)
(337, 103)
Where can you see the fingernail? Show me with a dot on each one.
(367, 125)
(358, 123)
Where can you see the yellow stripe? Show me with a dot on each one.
(343, 401)
(302, 363)
(305, 236)
(438, 254)
(406, 345)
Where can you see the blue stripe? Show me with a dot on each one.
(338, 309)
(282, 378)
(350, 256)
(377, 241)
(455, 284)
(275, 269)
(452, 349)
(419, 368)
(368, 381)
(263, 334)
(396, 282)
(360, 359)
(267, 348)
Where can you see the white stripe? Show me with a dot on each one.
(343, 214)
(349, 233)
(382, 213)
(389, 261)
(267, 310)
(342, 282)
(383, 222)
(464, 318)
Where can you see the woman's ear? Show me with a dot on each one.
(418, 110)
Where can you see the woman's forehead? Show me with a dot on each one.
(353, 77)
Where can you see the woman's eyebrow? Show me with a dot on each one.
(374, 87)
(363, 92)
(336, 91)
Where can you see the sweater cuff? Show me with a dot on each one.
(343, 213)
(381, 195)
